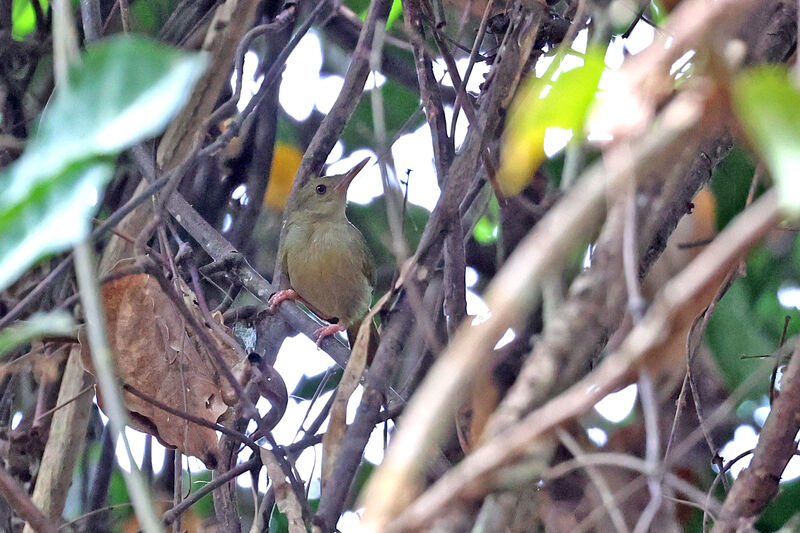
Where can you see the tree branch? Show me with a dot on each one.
(758, 483)
(674, 308)
(18, 499)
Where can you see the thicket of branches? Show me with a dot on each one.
(160, 307)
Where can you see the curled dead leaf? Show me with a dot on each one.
(156, 352)
(287, 501)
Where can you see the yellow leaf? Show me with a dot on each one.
(285, 162)
(540, 105)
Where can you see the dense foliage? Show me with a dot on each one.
(569, 204)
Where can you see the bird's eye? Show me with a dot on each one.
(321, 189)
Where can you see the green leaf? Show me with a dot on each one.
(395, 13)
(358, 6)
(118, 495)
(541, 105)
(730, 184)
(733, 334)
(658, 13)
(205, 505)
(364, 472)
(148, 17)
(399, 105)
(785, 505)
(23, 17)
(308, 385)
(125, 90)
(52, 215)
(485, 231)
(278, 523)
(768, 105)
(40, 324)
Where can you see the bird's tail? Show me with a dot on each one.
(352, 333)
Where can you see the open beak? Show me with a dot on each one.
(344, 181)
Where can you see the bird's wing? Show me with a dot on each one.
(285, 263)
(368, 263)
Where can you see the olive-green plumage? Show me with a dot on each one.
(324, 256)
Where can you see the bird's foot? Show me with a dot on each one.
(327, 331)
(278, 297)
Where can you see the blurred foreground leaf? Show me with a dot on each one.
(125, 90)
(55, 323)
(541, 105)
(768, 104)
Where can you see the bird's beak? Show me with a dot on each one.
(344, 181)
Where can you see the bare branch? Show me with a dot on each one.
(673, 308)
(16, 496)
(758, 483)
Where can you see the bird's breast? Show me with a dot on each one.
(325, 267)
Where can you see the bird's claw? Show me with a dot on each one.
(278, 297)
(327, 331)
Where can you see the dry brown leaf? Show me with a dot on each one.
(285, 498)
(156, 352)
(332, 439)
(474, 413)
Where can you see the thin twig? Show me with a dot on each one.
(778, 362)
(241, 437)
(226, 109)
(646, 338)
(758, 484)
(631, 463)
(473, 53)
(694, 341)
(171, 515)
(50, 411)
(443, 149)
(630, 255)
(652, 452)
(606, 496)
(391, 186)
(177, 489)
(721, 474)
(124, 15)
(93, 513)
(272, 76)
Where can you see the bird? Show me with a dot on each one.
(325, 257)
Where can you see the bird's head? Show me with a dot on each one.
(325, 196)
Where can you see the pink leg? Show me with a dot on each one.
(278, 297)
(327, 331)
